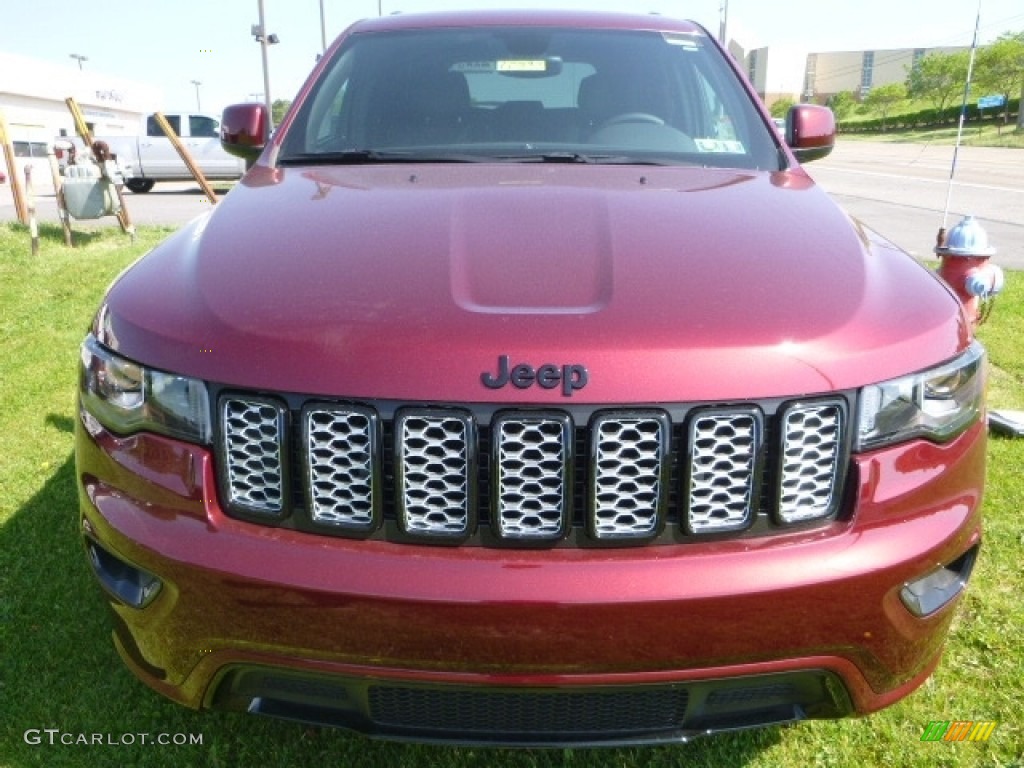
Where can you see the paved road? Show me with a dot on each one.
(172, 204)
(900, 190)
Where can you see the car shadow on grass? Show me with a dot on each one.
(66, 699)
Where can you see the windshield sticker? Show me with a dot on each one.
(521, 65)
(683, 41)
(728, 146)
(501, 65)
(472, 66)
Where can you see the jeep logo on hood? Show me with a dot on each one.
(571, 376)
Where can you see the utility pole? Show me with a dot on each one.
(266, 71)
(323, 29)
(723, 23)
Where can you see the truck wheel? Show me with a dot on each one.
(140, 186)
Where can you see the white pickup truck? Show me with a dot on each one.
(150, 157)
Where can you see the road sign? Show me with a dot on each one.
(987, 102)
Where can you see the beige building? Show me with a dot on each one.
(827, 74)
(789, 73)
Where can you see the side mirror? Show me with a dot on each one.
(810, 131)
(243, 130)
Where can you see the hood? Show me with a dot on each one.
(416, 282)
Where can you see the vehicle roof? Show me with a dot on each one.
(528, 18)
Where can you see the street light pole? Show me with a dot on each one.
(80, 58)
(199, 107)
(323, 29)
(266, 70)
(724, 23)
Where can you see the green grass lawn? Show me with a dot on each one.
(989, 134)
(58, 668)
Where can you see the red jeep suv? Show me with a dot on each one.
(528, 391)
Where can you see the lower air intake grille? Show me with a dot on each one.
(583, 712)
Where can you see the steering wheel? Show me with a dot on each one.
(632, 117)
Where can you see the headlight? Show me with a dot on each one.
(126, 397)
(936, 404)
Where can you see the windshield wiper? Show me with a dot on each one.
(372, 156)
(580, 157)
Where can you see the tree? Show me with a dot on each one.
(278, 109)
(882, 99)
(939, 78)
(781, 106)
(1000, 69)
(842, 105)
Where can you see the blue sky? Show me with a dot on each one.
(170, 43)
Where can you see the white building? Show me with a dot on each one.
(32, 99)
(776, 72)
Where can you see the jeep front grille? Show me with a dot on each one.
(531, 471)
(529, 477)
(630, 454)
(724, 450)
(433, 462)
(253, 444)
(340, 444)
(812, 448)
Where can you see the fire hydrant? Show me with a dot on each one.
(964, 254)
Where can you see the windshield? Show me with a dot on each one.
(530, 94)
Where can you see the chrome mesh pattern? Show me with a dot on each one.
(628, 453)
(514, 474)
(722, 476)
(811, 448)
(340, 454)
(433, 458)
(252, 440)
(531, 462)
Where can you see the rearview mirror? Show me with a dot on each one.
(243, 130)
(810, 131)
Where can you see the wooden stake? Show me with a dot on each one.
(20, 209)
(186, 156)
(58, 191)
(30, 195)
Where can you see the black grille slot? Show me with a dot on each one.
(528, 713)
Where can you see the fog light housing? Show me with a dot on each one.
(926, 595)
(132, 586)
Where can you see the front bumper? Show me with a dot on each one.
(404, 641)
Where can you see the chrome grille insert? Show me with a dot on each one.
(434, 460)
(353, 469)
(252, 437)
(724, 471)
(341, 452)
(812, 446)
(532, 457)
(629, 454)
